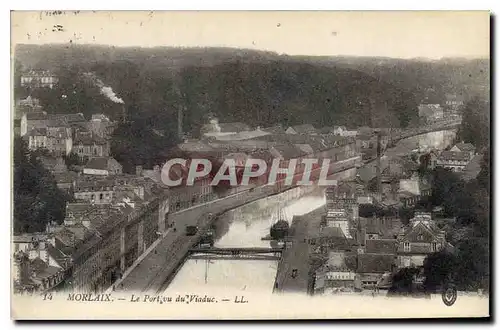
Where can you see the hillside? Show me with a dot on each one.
(52, 56)
(261, 88)
(425, 77)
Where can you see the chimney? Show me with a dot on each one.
(379, 154)
(124, 114)
(179, 121)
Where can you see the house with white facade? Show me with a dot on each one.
(456, 161)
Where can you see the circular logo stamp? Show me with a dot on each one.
(449, 295)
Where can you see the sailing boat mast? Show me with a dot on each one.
(207, 263)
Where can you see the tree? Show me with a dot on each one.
(473, 263)
(73, 159)
(402, 281)
(483, 178)
(37, 199)
(135, 143)
(476, 123)
(405, 214)
(439, 267)
(445, 185)
(368, 210)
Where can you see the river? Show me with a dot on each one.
(242, 227)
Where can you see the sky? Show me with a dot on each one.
(389, 34)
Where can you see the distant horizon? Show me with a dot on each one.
(397, 34)
(256, 50)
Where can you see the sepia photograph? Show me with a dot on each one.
(258, 165)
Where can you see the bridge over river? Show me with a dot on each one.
(256, 253)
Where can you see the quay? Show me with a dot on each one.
(297, 256)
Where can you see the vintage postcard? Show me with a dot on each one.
(250, 165)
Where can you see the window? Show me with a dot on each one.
(434, 246)
(100, 196)
(407, 246)
(420, 237)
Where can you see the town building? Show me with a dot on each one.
(43, 120)
(342, 208)
(101, 126)
(278, 129)
(430, 112)
(218, 130)
(87, 145)
(456, 161)
(55, 139)
(97, 190)
(329, 239)
(372, 267)
(59, 140)
(37, 138)
(27, 105)
(338, 274)
(102, 166)
(420, 238)
(465, 147)
(124, 231)
(55, 165)
(343, 131)
(377, 228)
(94, 191)
(38, 79)
(37, 264)
(238, 136)
(454, 101)
(302, 129)
(66, 180)
(30, 102)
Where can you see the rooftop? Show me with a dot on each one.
(469, 147)
(286, 151)
(89, 140)
(37, 132)
(454, 156)
(303, 129)
(101, 163)
(274, 130)
(375, 262)
(381, 246)
(36, 115)
(216, 127)
(27, 238)
(59, 132)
